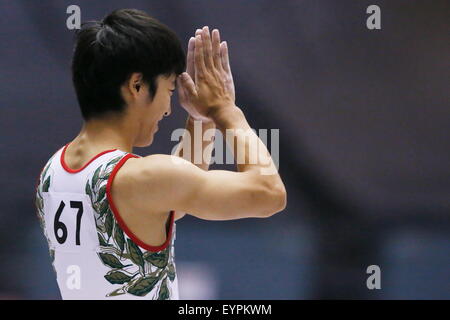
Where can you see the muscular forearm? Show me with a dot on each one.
(249, 151)
(200, 151)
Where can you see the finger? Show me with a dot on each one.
(187, 84)
(199, 59)
(181, 91)
(198, 32)
(207, 47)
(190, 68)
(180, 86)
(224, 56)
(216, 49)
(182, 94)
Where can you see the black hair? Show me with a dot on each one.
(107, 52)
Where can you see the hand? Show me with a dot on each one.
(207, 63)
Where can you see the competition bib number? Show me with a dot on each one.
(69, 221)
(60, 228)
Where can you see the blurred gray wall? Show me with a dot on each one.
(364, 121)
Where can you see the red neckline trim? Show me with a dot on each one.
(66, 167)
(119, 219)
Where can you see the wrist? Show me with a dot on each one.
(203, 120)
(223, 115)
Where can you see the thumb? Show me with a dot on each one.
(181, 91)
(188, 84)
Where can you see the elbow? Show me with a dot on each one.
(282, 200)
(276, 201)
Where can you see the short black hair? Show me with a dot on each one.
(107, 52)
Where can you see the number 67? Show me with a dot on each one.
(58, 225)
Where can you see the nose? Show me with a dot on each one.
(167, 113)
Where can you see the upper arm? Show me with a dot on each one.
(164, 182)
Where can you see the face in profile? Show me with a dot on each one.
(149, 112)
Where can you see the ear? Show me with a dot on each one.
(135, 83)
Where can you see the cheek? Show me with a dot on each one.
(165, 103)
(161, 101)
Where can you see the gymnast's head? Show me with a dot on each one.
(124, 67)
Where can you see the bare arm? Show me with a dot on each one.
(163, 182)
(200, 152)
(194, 120)
(191, 147)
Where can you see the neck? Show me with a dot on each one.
(103, 134)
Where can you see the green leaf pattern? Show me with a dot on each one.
(164, 291)
(119, 239)
(117, 277)
(143, 285)
(109, 223)
(158, 259)
(136, 271)
(135, 253)
(111, 260)
(44, 184)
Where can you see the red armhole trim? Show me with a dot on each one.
(66, 167)
(120, 220)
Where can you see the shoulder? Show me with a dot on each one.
(134, 170)
(148, 179)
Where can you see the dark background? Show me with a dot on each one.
(364, 121)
